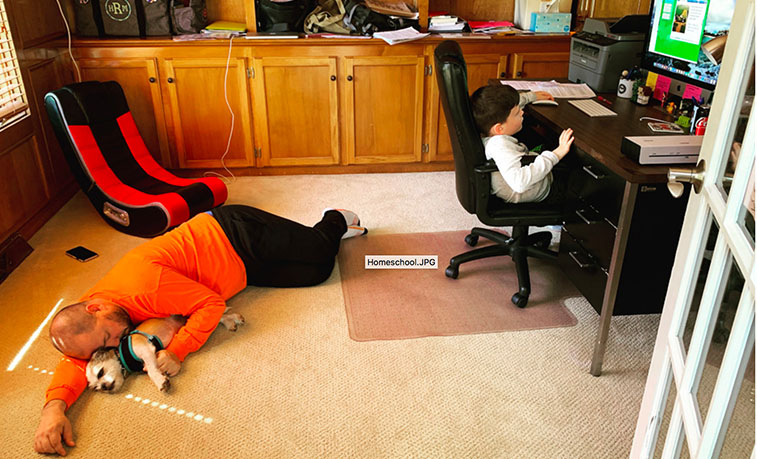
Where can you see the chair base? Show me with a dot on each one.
(519, 246)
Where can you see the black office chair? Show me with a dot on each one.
(472, 176)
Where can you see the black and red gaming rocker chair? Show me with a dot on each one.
(109, 159)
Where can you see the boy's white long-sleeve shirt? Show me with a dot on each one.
(514, 182)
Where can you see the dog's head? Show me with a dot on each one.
(104, 371)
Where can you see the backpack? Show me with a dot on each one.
(363, 20)
(282, 16)
(328, 16)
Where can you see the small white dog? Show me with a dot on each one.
(108, 367)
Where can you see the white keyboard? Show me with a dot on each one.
(592, 108)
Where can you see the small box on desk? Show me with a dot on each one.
(550, 22)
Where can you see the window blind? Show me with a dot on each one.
(12, 97)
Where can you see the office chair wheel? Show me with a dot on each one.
(452, 272)
(471, 240)
(519, 300)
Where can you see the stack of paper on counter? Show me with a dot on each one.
(400, 36)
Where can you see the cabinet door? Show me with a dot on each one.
(139, 80)
(200, 119)
(296, 111)
(481, 69)
(383, 108)
(45, 76)
(539, 65)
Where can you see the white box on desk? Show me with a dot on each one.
(662, 149)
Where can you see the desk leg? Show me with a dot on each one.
(613, 276)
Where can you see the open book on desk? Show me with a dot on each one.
(558, 90)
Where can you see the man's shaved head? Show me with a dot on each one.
(81, 328)
(69, 322)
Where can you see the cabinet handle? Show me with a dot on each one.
(519, 74)
(170, 80)
(593, 174)
(333, 77)
(581, 264)
(501, 74)
(152, 79)
(349, 77)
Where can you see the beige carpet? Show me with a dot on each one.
(413, 303)
(292, 384)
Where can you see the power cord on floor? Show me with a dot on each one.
(231, 131)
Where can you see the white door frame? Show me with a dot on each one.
(671, 361)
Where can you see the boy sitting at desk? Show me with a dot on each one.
(499, 116)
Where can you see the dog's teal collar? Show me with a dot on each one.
(129, 360)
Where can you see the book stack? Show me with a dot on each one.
(224, 29)
(445, 23)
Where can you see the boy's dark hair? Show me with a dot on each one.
(492, 104)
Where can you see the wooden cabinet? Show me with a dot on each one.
(383, 108)
(539, 65)
(481, 68)
(296, 110)
(353, 105)
(198, 92)
(139, 80)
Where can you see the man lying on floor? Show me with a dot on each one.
(190, 271)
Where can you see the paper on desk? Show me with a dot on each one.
(558, 90)
(399, 36)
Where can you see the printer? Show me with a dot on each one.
(604, 48)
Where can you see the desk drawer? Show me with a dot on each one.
(598, 187)
(595, 234)
(582, 269)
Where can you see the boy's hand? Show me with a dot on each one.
(543, 95)
(566, 140)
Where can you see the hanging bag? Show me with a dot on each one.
(328, 16)
(122, 18)
(139, 18)
(282, 16)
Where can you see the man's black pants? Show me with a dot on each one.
(278, 252)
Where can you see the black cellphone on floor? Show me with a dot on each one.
(81, 253)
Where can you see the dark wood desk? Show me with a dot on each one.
(622, 225)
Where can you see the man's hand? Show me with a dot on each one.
(543, 95)
(53, 426)
(566, 139)
(168, 363)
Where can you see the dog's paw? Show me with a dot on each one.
(232, 320)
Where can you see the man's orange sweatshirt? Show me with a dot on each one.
(189, 271)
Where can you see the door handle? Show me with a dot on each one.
(677, 176)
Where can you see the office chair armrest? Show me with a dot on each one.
(486, 168)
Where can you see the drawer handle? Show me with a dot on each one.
(580, 213)
(593, 174)
(581, 264)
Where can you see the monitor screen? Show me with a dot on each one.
(676, 45)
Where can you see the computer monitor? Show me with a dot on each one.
(686, 40)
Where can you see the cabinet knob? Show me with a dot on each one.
(170, 80)
(520, 74)
(333, 77)
(349, 77)
(152, 79)
(501, 74)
